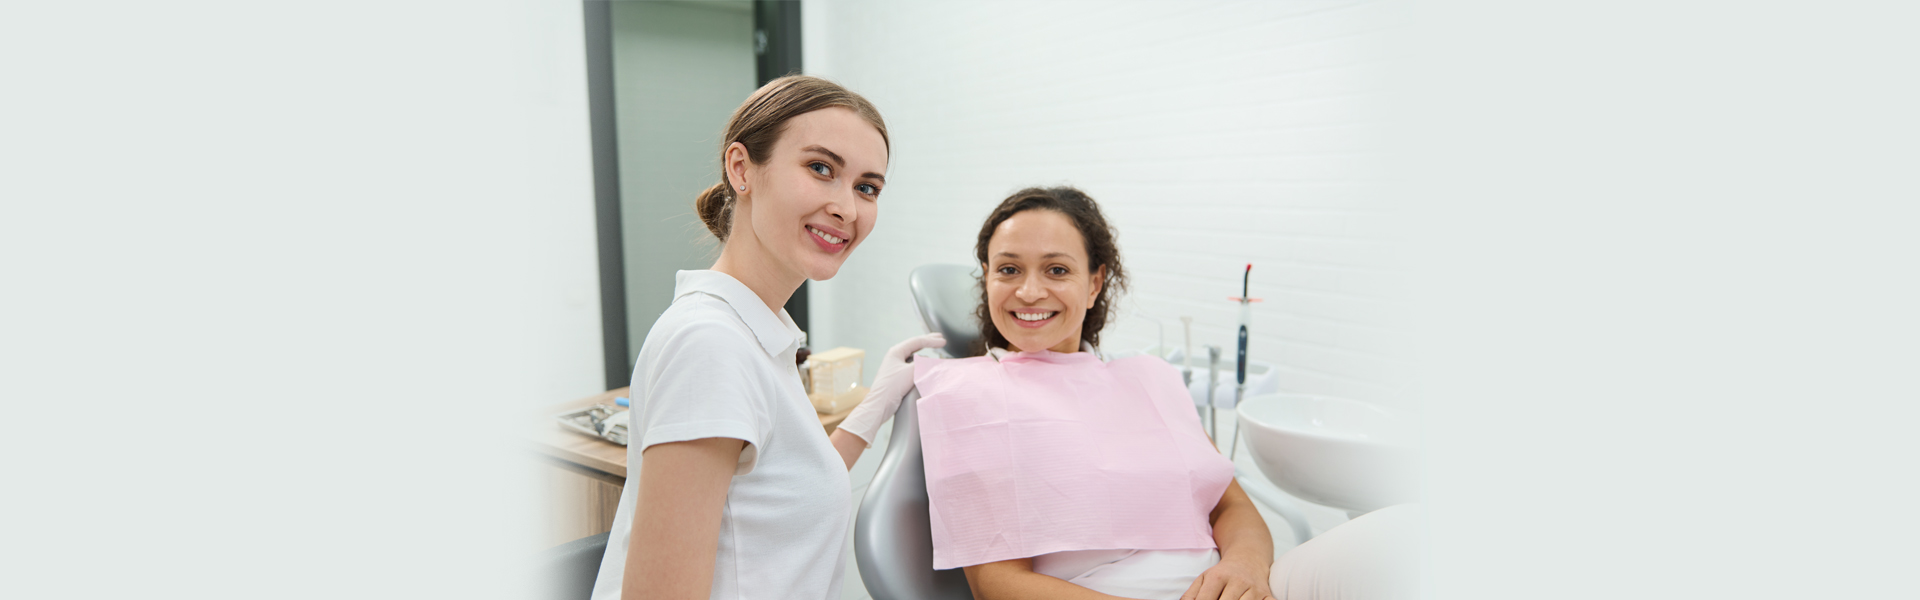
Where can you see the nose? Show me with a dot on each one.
(1030, 290)
(844, 207)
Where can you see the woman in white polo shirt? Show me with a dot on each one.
(736, 492)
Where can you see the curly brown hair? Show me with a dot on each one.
(1102, 251)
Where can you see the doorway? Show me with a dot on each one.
(663, 78)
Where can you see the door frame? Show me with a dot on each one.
(776, 27)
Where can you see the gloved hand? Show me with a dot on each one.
(889, 387)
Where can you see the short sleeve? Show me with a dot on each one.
(701, 383)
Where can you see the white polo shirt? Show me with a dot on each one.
(718, 363)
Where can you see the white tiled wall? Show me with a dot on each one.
(1214, 134)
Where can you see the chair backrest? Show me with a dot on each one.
(892, 540)
(945, 296)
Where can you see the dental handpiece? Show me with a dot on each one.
(1240, 370)
(1239, 389)
(1240, 380)
(1246, 318)
(1213, 377)
(1186, 373)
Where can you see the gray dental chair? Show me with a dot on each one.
(892, 540)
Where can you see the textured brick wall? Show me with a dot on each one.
(1214, 134)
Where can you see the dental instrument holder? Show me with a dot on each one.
(1240, 370)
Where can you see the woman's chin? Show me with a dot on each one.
(1031, 345)
(823, 273)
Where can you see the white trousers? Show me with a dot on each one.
(1143, 574)
(1374, 557)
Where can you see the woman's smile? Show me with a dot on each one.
(1034, 319)
(829, 239)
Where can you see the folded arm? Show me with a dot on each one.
(1246, 551)
(1246, 555)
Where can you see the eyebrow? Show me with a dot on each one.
(1042, 257)
(842, 162)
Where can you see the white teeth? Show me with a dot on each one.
(823, 235)
(1033, 316)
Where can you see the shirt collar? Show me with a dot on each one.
(776, 332)
(998, 353)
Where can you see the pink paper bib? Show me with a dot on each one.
(1043, 452)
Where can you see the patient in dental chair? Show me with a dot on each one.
(1052, 473)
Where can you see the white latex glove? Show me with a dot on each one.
(889, 387)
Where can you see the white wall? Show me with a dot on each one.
(1668, 297)
(283, 282)
(1212, 134)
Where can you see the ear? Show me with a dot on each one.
(734, 163)
(1099, 281)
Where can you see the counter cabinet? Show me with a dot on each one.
(582, 476)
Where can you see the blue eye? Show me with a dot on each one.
(868, 189)
(821, 168)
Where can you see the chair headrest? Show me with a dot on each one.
(945, 296)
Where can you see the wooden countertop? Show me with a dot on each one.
(550, 439)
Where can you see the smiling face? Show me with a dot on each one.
(814, 198)
(1037, 281)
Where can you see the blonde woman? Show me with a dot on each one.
(732, 490)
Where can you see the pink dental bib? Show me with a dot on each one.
(1043, 452)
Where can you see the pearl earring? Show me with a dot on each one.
(743, 188)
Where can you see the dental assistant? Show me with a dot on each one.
(737, 494)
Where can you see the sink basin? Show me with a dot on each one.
(1334, 452)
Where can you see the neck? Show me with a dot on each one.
(1069, 345)
(744, 258)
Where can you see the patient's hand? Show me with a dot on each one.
(1231, 580)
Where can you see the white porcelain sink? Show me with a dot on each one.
(1335, 452)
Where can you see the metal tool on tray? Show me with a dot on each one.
(604, 421)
